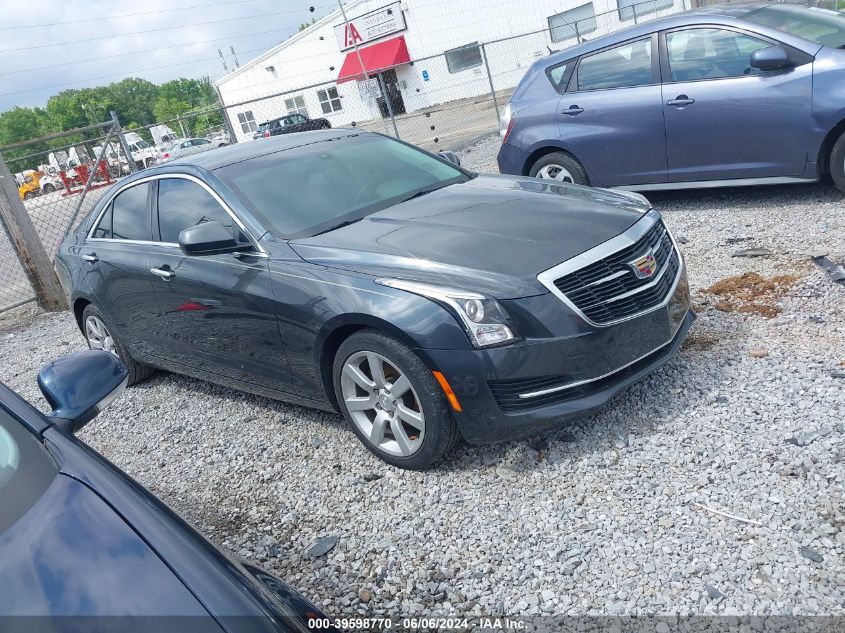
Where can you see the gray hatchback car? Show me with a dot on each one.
(724, 95)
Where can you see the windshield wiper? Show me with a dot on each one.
(420, 193)
(338, 226)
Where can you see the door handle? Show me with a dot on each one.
(572, 110)
(680, 101)
(91, 258)
(163, 273)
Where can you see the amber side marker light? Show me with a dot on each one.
(447, 389)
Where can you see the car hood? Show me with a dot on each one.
(492, 233)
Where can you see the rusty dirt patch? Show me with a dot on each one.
(752, 293)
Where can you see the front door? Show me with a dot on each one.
(217, 314)
(115, 259)
(390, 92)
(611, 116)
(725, 119)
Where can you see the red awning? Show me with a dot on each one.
(376, 58)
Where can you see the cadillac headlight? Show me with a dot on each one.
(485, 321)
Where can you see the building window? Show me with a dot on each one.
(329, 100)
(247, 121)
(573, 23)
(296, 105)
(629, 9)
(463, 58)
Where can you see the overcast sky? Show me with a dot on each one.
(88, 49)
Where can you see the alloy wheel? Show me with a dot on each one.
(98, 335)
(382, 403)
(555, 172)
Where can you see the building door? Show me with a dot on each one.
(390, 84)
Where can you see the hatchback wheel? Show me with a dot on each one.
(392, 402)
(100, 335)
(560, 167)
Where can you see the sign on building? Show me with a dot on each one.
(368, 89)
(370, 26)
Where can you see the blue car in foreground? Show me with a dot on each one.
(83, 547)
(719, 96)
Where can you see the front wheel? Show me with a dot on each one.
(837, 163)
(49, 188)
(392, 401)
(560, 167)
(100, 335)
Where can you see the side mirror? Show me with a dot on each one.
(771, 58)
(78, 387)
(451, 156)
(208, 238)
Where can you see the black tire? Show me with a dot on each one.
(150, 162)
(49, 188)
(28, 195)
(440, 429)
(562, 160)
(138, 372)
(837, 163)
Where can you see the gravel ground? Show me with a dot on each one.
(609, 516)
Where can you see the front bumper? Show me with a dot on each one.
(540, 384)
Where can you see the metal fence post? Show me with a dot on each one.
(27, 244)
(119, 131)
(634, 7)
(490, 79)
(226, 120)
(388, 104)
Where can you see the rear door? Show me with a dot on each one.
(217, 314)
(116, 266)
(611, 116)
(725, 119)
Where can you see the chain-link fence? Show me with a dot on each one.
(441, 101)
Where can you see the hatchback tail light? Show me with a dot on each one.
(507, 122)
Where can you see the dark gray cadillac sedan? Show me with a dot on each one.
(349, 271)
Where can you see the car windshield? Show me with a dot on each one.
(303, 191)
(142, 144)
(821, 26)
(25, 470)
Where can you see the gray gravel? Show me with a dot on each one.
(616, 514)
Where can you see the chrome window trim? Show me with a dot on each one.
(147, 179)
(613, 245)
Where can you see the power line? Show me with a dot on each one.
(126, 73)
(164, 28)
(122, 15)
(144, 50)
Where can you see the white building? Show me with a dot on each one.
(423, 53)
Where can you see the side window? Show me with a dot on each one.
(559, 74)
(625, 66)
(130, 216)
(103, 229)
(200, 141)
(183, 204)
(710, 54)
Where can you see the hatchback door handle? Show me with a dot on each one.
(680, 101)
(572, 110)
(91, 258)
(163, 273)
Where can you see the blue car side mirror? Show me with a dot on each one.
(771, 58)
(79, 386)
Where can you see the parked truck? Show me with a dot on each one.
(144, 154)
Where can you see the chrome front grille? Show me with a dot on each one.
(603, 284)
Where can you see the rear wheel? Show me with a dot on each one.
(49, 188)
(560, 167)
(28, 195)
(837, 163)
(100, 335)
(392, 402)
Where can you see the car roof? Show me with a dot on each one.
(251, 149)
(719, 13)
